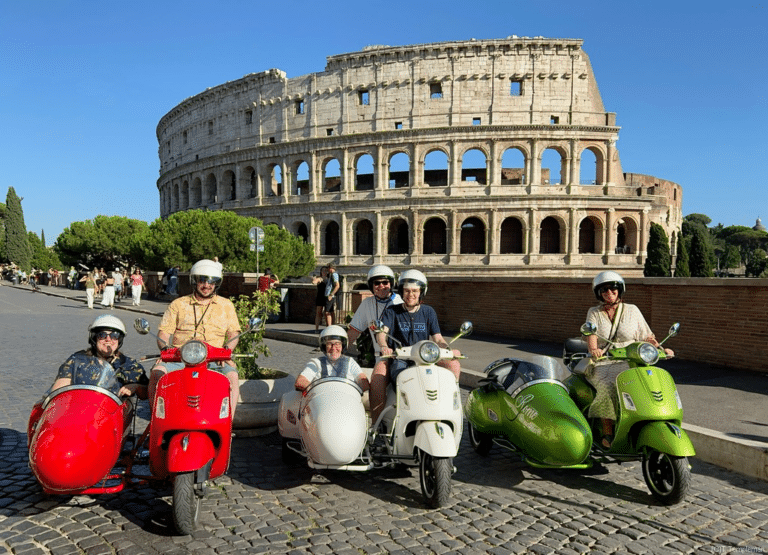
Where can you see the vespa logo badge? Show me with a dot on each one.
(649, 372)
(493, 416)
(429, 371)
(195, 374)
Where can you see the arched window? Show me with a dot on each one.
(196, 194)
(472, 236)
(331, 242)
(184, 201)
(229, 185)
(302, 232)
(275, 182)
(511, 236)
(363, 237)
(552, 167)
(332, 176)
(434, 236)
(397, 237)
(399, 171)
(436, 169)
(210, 188)
(364, 173)
(588, 168)
(587, 237)
(550, 236)
(473, 166)
(301, 178)
(513, 167)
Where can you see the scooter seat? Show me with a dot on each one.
(574, 349)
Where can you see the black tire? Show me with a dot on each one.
(435, 478)
(668, 477)
(480, 441)
(289, 455)
(186, 503)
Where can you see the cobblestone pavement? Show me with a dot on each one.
(264, 506)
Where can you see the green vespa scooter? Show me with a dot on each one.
(650, 414)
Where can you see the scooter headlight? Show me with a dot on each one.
(648, 353)
(194, 352)
(429, 352)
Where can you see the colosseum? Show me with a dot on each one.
(430, 156)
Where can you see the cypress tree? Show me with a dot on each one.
(701, 255)
(682, 269)
(16, 241)
(658, 263)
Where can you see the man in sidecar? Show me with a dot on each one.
(105, 336)
(333, 342)
(409, 323)
(202, 315)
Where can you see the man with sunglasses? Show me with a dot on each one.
(381, 280)
(202, 315)
(105, 336)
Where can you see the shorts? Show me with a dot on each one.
(330, 305)
(397, 366)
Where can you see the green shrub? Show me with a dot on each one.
(257, 305)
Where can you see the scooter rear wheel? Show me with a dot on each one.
(666, 476)
(480, 441)
(186, 503)
(435, 478)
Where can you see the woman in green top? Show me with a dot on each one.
(90, 288)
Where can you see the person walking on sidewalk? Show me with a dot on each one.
(137, 284)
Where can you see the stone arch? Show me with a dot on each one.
(229, 185)
(473, 236)
(511, 236)
(300, 177)
(174, 197)
(300, 229)
(591, 161)
(364, 172)
(627, 236)
(554, 160)
(248, 182)
(331, 175)
(435, 236)
(590, 236)
(363, 237)
(399, 174)
(513, 164)
(474, 165)
(184, 200)
(398, 236)
(331, 239)
(436, 162)
(551, 236)
(274, 181)
(211, 194)
(196, 194)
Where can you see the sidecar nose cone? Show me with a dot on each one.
(573, 440)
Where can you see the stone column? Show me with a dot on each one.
(286, 175)
(378, 238)
(610, 236)
(313, 176)
(380, 178)
(494, 233)
(345, 174)
(533, 232)
(454, 235)
(573, 235)
(644, 233)
(344, 241)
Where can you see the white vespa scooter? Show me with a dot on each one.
(422, 422)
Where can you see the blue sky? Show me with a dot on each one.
(84, 84)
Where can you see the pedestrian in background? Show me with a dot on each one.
(331, 288)
(90, 288)
(117, 275)
(137, 284)
(319, 282)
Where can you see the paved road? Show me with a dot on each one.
(264, 506)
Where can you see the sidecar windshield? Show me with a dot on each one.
(538, 368)
(99, 373)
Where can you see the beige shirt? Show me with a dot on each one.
(186, 319)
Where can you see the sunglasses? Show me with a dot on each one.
(381, 282)
(608, 288)
(109, 335)
(208, 279)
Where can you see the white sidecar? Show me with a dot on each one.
(328, 425)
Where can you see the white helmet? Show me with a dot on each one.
(380, 271)
(608, 278)
(206, 270)
(106, 322)
(412, 276)
(333, 333)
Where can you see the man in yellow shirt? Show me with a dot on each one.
(202, 315)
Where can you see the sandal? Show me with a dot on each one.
(606, 441)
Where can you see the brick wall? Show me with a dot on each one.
(723, 322)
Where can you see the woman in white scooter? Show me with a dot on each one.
(333, 341)
(623, 324)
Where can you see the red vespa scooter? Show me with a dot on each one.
(190, 431)
(76, 434)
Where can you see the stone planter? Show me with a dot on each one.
(256, 412)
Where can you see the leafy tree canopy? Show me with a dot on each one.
(699, 219)
(42, 257)
(102, 242)
(186, 237)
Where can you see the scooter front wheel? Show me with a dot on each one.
(435, 477)
(666, 476)
(186, 503)
(480, 441)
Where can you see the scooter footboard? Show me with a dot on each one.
(666, 437)
(189, 451)
(436, 438)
